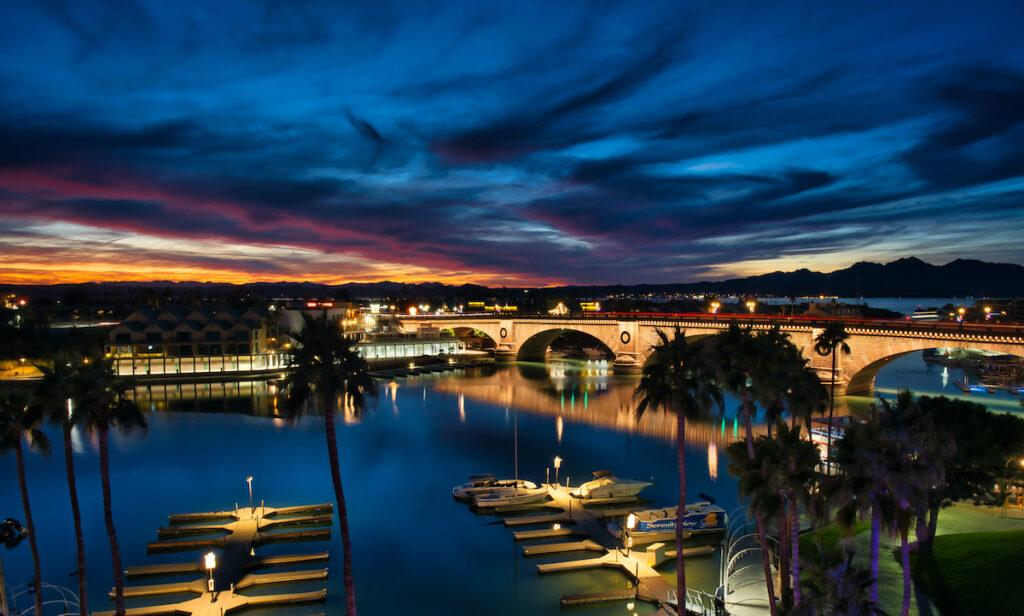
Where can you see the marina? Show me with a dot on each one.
(231, 540)
(461, 421)
(586, 519)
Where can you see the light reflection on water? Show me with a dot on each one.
(399, 460)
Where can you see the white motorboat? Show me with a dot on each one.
(606, 485)
(511, 496)
(660, 524)
(480, 484)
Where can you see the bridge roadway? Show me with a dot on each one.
(630, 336)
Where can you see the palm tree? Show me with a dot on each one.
(835, 586)
(54, 393)
(806, 396)
(916, 466)
(102, 405)
(324, 364)
(760, 485)
(774, 363)
(17, 420)
(676, 379)
(861, 488)
(831, 339)
(798, 484)
(737, 356)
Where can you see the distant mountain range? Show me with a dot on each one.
(908, 277)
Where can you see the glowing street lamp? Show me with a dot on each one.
(988, 312)
(751, 305)
(210, 560)
(558, 465)
(248, 480)
(715, 305)
(630, 525)
(960, 314)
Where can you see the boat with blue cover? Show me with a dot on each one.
(660, 524)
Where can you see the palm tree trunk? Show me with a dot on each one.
(76, 515)
(905, 560)
(794, 538)
(876, 537)
(37, 584)
(108, 517)
(831, 411)
(339, 496)
(933, 526)
(784, 553)
(762, 535)
(681, 462)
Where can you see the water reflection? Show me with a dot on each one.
(570, 392)
(578, 392)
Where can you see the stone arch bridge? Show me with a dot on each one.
(873, 343)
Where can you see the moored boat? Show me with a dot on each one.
(480, 484)
(506, 497)
(660, 524)
(606, 485)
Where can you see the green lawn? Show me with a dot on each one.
(974, 573)
(977, 551)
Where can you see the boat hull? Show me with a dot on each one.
(505, 499)
(467, 492)
(620, 489)
(660, 525)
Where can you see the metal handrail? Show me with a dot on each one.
(65, 598)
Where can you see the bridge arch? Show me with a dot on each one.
(535, 347)
(467, 333)
(861, 369)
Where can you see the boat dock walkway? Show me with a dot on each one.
(586, 530)
(236, 534)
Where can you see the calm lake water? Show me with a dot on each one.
(413, 545)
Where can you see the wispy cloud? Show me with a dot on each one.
(524, 144)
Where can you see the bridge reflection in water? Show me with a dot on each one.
(576, 392)
(568, 391)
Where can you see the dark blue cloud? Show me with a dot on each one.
(530, 142)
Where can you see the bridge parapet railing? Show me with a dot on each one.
(1015, 331)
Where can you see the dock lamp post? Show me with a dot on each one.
(630, 525)
(211, 564)
(252, 506)
(558, 464)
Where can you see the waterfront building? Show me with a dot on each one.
(182, 341)
(178, 340)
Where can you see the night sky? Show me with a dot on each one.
(504, 143)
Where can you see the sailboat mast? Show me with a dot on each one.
(515, 423)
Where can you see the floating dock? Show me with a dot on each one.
(583, 523)
(237, 533)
